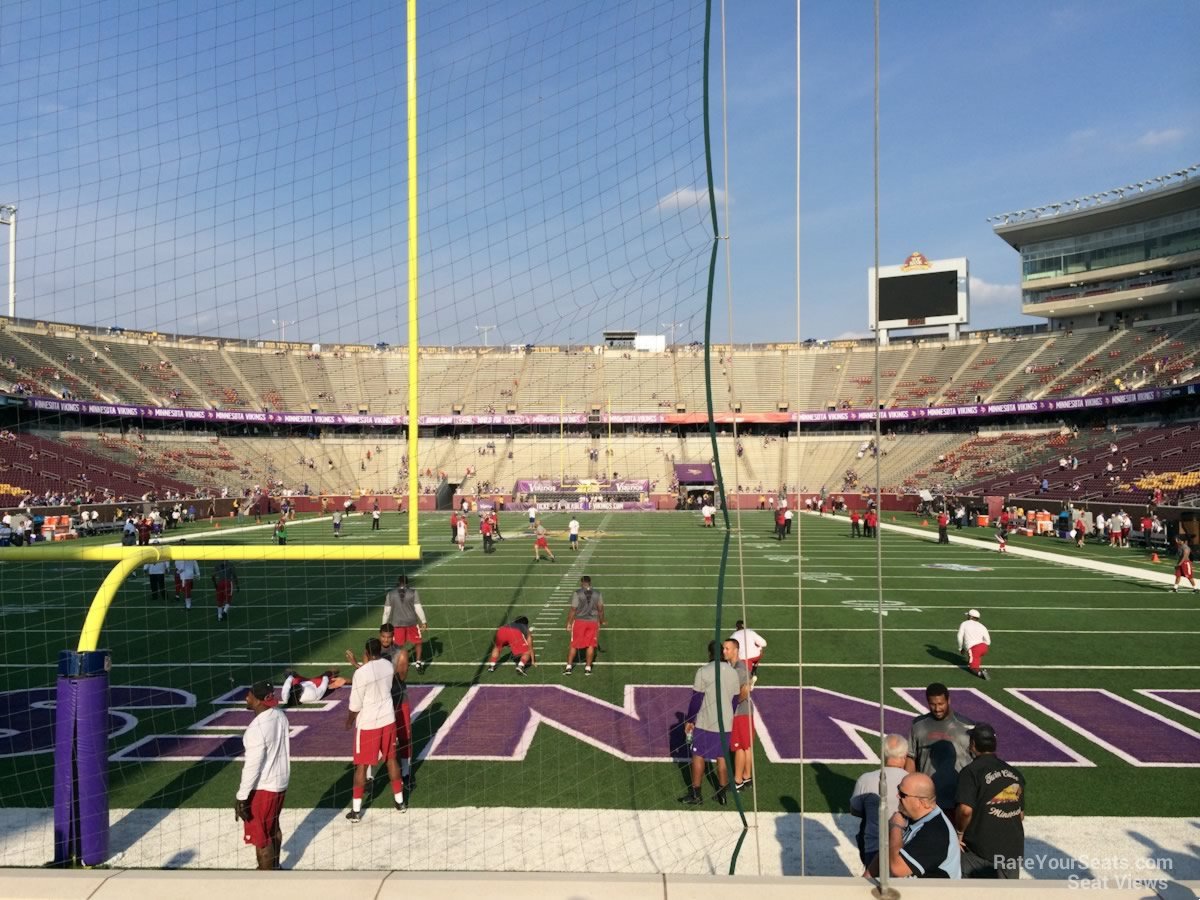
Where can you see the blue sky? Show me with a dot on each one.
(224, 168)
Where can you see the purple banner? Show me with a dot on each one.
(583, 486)
(694, 473)
(1016, 407)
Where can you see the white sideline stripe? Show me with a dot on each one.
(695, 842)
(1055, 558)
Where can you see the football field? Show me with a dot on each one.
(1095, 676)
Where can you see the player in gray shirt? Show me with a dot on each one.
(939, 744)
(584, 619)
(714, 688)
(403, 611)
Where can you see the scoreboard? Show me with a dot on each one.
(919, 293)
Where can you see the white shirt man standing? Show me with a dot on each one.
(186, 572)
(974, 641)
(265, 775)
(373, 716)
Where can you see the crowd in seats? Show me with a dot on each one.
(155, 370)
(1136, 466)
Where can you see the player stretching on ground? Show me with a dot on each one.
(584, 619)
(514, 636)
(1183, 563)
(374, 720)
(402, 609)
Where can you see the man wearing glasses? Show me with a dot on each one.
(921, 841)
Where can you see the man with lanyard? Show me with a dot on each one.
(584, 619)
(938, 744)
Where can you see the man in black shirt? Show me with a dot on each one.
(991, 811)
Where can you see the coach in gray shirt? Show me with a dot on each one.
(714, 687)
(939, 744)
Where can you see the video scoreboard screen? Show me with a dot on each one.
(919, 293)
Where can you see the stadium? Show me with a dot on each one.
(606, 426)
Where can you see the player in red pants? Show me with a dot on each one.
(974, 641)
(514, 636)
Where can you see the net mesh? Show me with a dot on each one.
(213, 248)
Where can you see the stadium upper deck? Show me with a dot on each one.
(56, 360)
(1125, 254)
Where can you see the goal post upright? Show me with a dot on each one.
(414, 469)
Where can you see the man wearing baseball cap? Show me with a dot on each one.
(974, 642)
(990, 816)
(265, 774)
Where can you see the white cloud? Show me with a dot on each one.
(984, 293)
(1160, 137)
(685, 198)
(854, 336)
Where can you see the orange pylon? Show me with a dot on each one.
(1154, 557)
(924, 523)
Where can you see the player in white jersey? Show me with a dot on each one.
(265, 775)
(750, 645)
(186, 572)
(373, 716)
(573, 533)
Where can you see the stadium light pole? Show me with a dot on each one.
(485, 329)
(8, 216)
(283, 324)
(671, 326)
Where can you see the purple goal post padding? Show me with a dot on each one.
(81, 758)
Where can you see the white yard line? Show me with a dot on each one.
(554, 610)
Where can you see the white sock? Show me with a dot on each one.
(356, 804)
(399, 797)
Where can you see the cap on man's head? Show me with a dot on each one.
(972, 614)
(264, 691)
(984, 737)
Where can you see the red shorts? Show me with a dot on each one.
(404, 730)
(1184, 570)
(224, 592)
(752, 664)
(741, 735)
(406, 634)
(178, 583)
(513, 639)
(708, 520)
(584, 634)
(265, 807)
(540, 543)
(374, 744)
(187, 588)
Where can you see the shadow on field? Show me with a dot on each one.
(140, 821)
(945, 656)
(820, 844)
(333, 803)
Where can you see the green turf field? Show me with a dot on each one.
(1052, 626)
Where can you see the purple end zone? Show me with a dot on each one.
(825, 714)
(1138, 736)
(1185, 700)
(497, 721)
